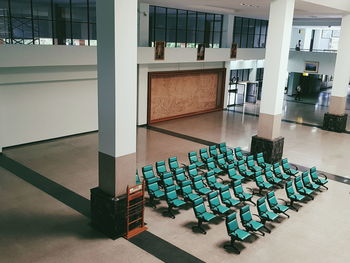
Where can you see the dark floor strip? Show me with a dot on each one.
(57, 191)
(180, 135)
(147, 241)
(162, 249)
(334, 177)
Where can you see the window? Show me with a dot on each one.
(48, 22)
(250, 33)
(240, 74)
(259, 74)
(184, 28)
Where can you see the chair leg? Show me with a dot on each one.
(292, 206)
(310, 196)
(199, 226)
(325, 187)
(285, 214)
(251, 202)
(268, 230)
(170, 212)
(231, 245)
(151, 202)
(261, 232)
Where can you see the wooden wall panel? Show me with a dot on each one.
(176, 94)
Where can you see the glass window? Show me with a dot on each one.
(79, 10)
(61, 9)
(171, 18)
(42, 9)
(191, 20)
(181, 19)
(160, 20)
(249, 33)
(201, 21)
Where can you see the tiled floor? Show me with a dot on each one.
(35, 227)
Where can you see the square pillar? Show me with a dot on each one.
(117, 110)
(268, 139)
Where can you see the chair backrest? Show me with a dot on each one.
(198, 207)
(277, 168)
(212, 150)
(179, 171)
(242, 168)
(213, 199)
(237, 187)
(313, 170)
(231, 172)
(250, 161)
(197, 182)
(289, 189)
(192, 172)
(168, 179)
(229, 152)
(268, 174)
(231, 222)
(298, 183)
(261, 204)
(170, 193)
(305, 178)
(245, 214)
(173, 164)
(204, 153)
(238, 149)
(192, 156)
(271, 199)
(231, 166)
(186, 187)
(259, 155)
(153, 187)
(258, 179)
(225, 193)
(160, 167)
(147, 172)
(285, 164)
(210, 163)
(180, 177)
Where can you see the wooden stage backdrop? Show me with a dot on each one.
(177, 94)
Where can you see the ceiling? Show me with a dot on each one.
(250, 8)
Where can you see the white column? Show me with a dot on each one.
(227, 31)
(341, 70)
(117, 92)
(227, 82)
(143, 25)
(142, 95)
(253, 71)
(276, 61)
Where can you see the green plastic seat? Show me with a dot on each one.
(261, 162)
(222, 147)
(154, 191)
(161, 168)
(232, 173)
(242, 169)
(212, 151)
(316, 179)
(239, 154)
(172, 200)
(248, 222)
(278, 172)
(203, 153)
(169, 181)
(173, 163)
(193, 158)
(180, 176)
(274, 205)
(301, 189)
(264, 213)
(199, 186)
(221, 162)
(215, 205)
(212, 166)
(230, 159)
(201, 214)
(260, 183)
(292, 195)
(234, 231)
(272, 179)
(307, 182)
(211, 181)
(251, 164)
(226, 197)
(287, 169)
(240, 194)
(187, 191)
(148, 173)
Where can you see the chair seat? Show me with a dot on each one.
(222, 209)
(284, 176)
(199, 164)
(217, 170)
(158, 193)
(306, 191)
(292, 172)
(255, 168)
(207, 216)
(236, 177)
(313, 186)
(231, 202)
(240, 234)
(298, 197)
(276, 180)
(249, 173)
(204, 191)
(247, 196)
(218, 186)
(192, 196)
(270, 215)
(322, 181)
(255, 225)
(281, 208)
(178, 202)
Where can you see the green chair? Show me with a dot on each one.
(169, 181)
(230, 159)
(187, 191)
(292, 195)
(222, 162)
(161, 168)
(234, 231)
(242, 169)
(201, 214)
(301, 189)
(212, 151)
(273, 179)
(222, 147)
(316, 179)
(154, 191)
(193, 172)
(264, 213)
(278, 172)
(239, 154)
(211, 181)
(260, 183)
(274, 205)
(199, 186)
(240, 194)
(248, 222)
(148, 173)
(232, 173)
(172, 200)
(180, 176)
(215, 205)
(287, 169)
(261, 162)
(307, 182)
(203, 153)
(193, 158)
(212, 166)
(226, 197)
(251, 164)
(173, 164)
